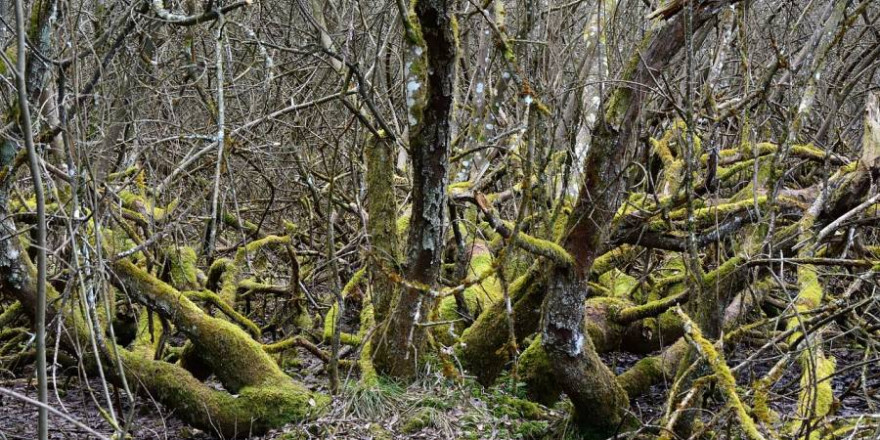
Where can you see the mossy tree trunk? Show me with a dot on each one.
(381, 223)
(599, 401)
(430, 85)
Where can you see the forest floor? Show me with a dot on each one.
(433, 408)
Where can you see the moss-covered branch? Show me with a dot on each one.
(651, 370)
(723, 375)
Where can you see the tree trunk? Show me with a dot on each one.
(430, 85)
(600, 403)
(381, 224)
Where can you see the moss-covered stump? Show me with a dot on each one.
(534, 370)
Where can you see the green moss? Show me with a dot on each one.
(126, 173)
(403, 224)
(668, 321)
(423, 418)
(516, 408)
(803, 151)
(761, 402)
(601, 322)
(141, 205)
(707, 216)
(645, 373)
(478, 297)
(611, 304)
(230, 219)
(161, 214)
(330, 317)
(723, 375)
(619, 100)
(811, 293)
(532, 429)
(809, 297)
(723, 271)
(12, 56)
(330, 324)
(269, 241)
(147, 337)
(369, 377)
(236, 358)
(616, 257)
(225, 272)
(354, 282)
(808, 151)
(183, 270)
(228, 310)
(561, 221)
(620, 284)
(118, 242)
(459, 186)
(670, 152)
(11, 314)
(544, 248)
(255, 409)
(379, 433)
(291, 362)
(266, 398)
(383, 231)
(742, 168)
(760, 149)
(535, 371)
(847, 430)
(517, 264)
(484, 350)
(816, 399)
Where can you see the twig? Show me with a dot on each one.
(34, 161)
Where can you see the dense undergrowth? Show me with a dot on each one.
(502, 245)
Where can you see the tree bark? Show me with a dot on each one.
(430, 85)
(600, 403)
(381, 223)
